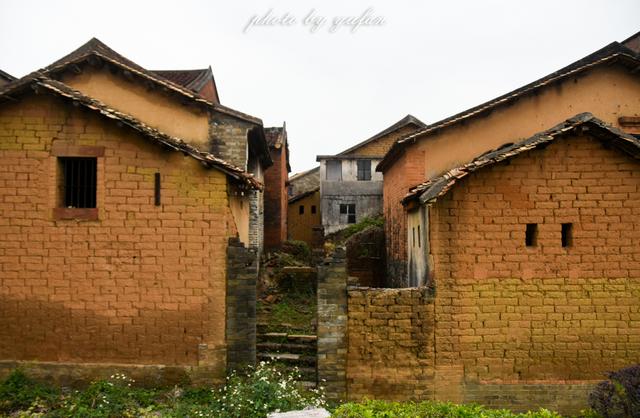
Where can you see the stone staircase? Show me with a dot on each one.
(290, 349)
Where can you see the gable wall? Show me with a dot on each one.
(510, 314)
(505, 325)
(607, 92)
(379, 147)
(147, 105)
(136, 286)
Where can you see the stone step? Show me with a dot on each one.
(286, 336)
(290, 347)
(288, 358)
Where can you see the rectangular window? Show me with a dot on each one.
(334, 170)
(418, 236)
(567, 235)
(301, 209)
(413, 233)
(313, 209)
(78, 182)
(348, 213)
(531, 235)
(364, 170)
(156, 187)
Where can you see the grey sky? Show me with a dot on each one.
(430, 59)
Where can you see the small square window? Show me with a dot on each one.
(301, 209)
(78, 182)
(313, 209)
(364, 170)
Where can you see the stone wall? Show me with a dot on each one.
(242, 275)
(228, 139)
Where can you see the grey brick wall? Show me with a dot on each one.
(242, 275)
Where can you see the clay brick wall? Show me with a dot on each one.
(407, 172)
(508, 313)
(509, 325)
(275, 200)
(143, 284)
(391, 346)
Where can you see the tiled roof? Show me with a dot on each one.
(614, 52)
(439, 186)
(6, 76)
(40, 82)
(274, 136)
(304, 183)
(97, 49)
(194, 80)
(407, 120)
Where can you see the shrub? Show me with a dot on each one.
(263, 390)
(428, 409)
(298, 249)
(365, 223)
(19, 392)
(618, 397)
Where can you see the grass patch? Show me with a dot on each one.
(429, 409)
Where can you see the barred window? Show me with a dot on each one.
(78, 182)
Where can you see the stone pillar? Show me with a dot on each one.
(332, 326)
(242, 275)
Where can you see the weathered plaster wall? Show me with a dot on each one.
(150, 106)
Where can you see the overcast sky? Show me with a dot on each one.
(334, 86)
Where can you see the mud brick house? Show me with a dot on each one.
(126, 202)
(304, 206)
(534, 283)
(5, 78)
(350, 187)
(276, 188)
(604, 83)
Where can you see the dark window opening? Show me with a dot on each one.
(348, 213)
(313, 209)
(364, 170)
(531, 235)
(567, 235)
(301, 210)
(418, 236)
(413, 233)
(78, 182)
(156, 199)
